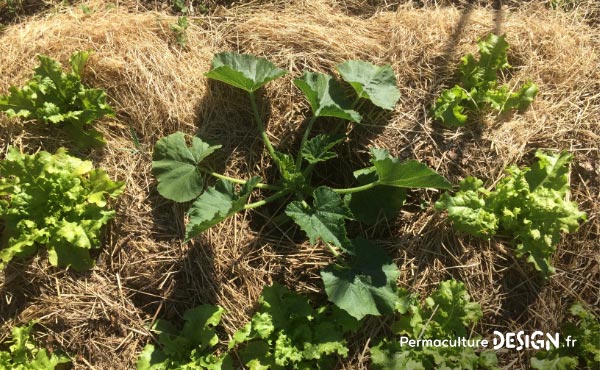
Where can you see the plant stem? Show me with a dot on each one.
(261, 127)
(309, 127)
(260, 185)
(273, 197)
(356, 189)
(333, 251)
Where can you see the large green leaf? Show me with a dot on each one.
(175, 166)
(367, 286)
(325, 220)
(370, 206)
(409, 174)
(376, 83)
(243, 71)
(216, 204)
(326, 96)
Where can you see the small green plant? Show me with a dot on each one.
(192, 347)
(529, 204)
(444, 316)
(180, 30)
(53, 96)
(320, 211)
(24, 355)
(479, 87)
(53, 201)
(288, 333)
(584, 353)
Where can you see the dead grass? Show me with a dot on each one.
(157, 88)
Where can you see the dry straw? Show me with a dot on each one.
(157, 88)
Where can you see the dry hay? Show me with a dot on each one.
(157, 88)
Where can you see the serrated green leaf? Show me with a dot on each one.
(326, 96)
(325, 220)
(243, 71)
(550, 171)
(175, 166)
(292, 177)
(376, 83)
(446, 314)
(78, 61)
(522, 98)
(216, 204)
(318, 149)
(367, 286)
(492, 58)
(409, 174)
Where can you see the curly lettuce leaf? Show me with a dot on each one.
(287, 332)
(530, 204)
(53, 201)
(446, 314)
(22, 354)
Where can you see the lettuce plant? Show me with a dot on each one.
(191, 347)
(24, 355)
(445, 315)
(53, 96)
(584, 353)
(479, 87)
(530, 204)
(54, 201)
(320, 211)
(288, 333)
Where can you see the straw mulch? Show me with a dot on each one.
(145, 271)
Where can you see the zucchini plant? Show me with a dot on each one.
(479, 88)
(53, 96)
(530, 205)
(320, 211)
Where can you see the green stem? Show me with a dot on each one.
(273, 197)
(261, 127)
(260, 185)
(309, 128)
(335, 253)
(356, 189)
